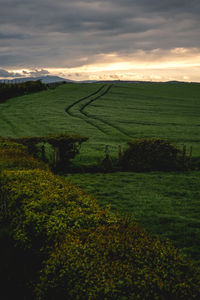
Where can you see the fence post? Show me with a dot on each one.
(190, 157)
(184, 154)
(184, 151)
(119, 152)
(107, 164)
(55, 156)
(107, 151)
(43, 152)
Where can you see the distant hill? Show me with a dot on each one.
(54, 79)
(44, 79)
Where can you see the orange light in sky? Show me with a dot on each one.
(157, 65)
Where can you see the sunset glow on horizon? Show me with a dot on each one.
(101, 40)
(176, 64)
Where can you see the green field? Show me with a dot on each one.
(167, 204)
(125, 111)
(164, 203)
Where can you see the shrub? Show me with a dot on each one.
(14, 156)
(7, 144)
(152, 155)
(65, 145)
(117, 261)
(79, 250)
(42, 208)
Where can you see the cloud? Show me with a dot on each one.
(37, 35)
(6, 74)
(23, 73)
(38, 73)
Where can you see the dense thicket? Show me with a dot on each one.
(57, 243)
(153, 155)
(64, 147)
(9, 90)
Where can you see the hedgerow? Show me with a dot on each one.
(9, 90)
(70, 248)
(64, 145)
(15, 156)
(152, 155)
(117, 261)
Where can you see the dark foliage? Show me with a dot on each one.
(10, 90)
(152, 155)
(64, 146)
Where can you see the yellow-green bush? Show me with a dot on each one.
(8, 144)
(14, 156)
(72, 249)
(42, 208)
(19, 160)
(117, 261)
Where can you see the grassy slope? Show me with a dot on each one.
(126, 111)
(42, 113)
(164, 203)
(153, 110)
(167, 204)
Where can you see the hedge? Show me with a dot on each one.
(42, 208)
(65, 145)
(117, 261)
(67, 247)
(9, 90)
(152, 155)
(15, 156)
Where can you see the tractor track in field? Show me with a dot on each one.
(82, 99)
(89, 118)
(81, 116)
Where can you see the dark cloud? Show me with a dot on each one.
(60, 33)
(37, 73)
(13, 36)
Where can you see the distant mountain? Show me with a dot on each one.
(53, 79)
(44, 79)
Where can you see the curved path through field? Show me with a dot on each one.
(78, 110)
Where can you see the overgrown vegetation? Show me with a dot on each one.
(71, 248)
(117, 261)
(64, 147)
(153, 155)
(14, 156)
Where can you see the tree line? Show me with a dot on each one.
(10, 90)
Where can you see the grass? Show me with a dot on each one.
(124, 112)
(165, 203)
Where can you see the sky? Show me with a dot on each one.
(101, 40)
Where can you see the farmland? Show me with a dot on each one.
(111, 114)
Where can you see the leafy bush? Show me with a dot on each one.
(7, 144)
(152, 155)
(117, 261)
(70, 248)
(42, 208)
(15, 156)
(65, 145)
